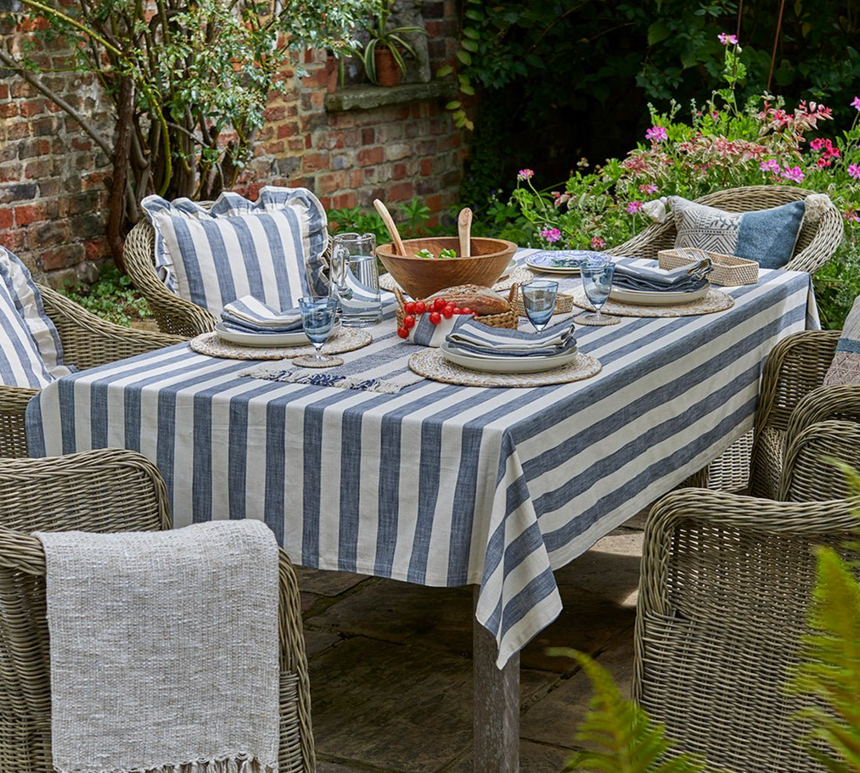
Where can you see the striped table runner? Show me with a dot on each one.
(438, 484)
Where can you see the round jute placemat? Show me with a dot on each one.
(713, 302)
(431, 363)
(345, 339)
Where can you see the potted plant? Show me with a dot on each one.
(383, 55)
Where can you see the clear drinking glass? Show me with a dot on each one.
(318, 316)
(597, 282)
(539, 301)
(355, 279)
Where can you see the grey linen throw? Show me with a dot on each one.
(164, 649)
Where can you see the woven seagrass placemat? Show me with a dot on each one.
(713, 302)
(345, 339)
(431, 363)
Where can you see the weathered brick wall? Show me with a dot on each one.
(53, 197)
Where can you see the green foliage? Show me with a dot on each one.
(383, 36)
(620, 735)
(112, 297)
(412, 219)
(720, 146)
(199, 76)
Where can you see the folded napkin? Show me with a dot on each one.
(683, 279)
(164, 649)
(248, 315)
(472, 336)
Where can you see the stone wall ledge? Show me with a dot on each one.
(371, 97)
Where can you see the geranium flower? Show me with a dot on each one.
(648, 188)
(770, 165)
(656, 134)
(550, 234)
(597, 243)
(795, 174)
(525, 174)
(854, 171)
(823, 162)
(856, 103)
(634, 206)
(852, 216)
(727, 40)
(816, 144)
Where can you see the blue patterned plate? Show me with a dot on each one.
(561, 261)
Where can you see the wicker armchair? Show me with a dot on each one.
(88, 341)
(725, 588)
(816, 243)
(101, 491)
(172, 313)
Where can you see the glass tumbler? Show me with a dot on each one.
(355, 279)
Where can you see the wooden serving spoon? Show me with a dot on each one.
(391, 226)
(464, 228)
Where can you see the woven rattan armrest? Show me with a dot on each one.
(809, 473)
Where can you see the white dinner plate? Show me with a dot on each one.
(269, 340)
(489, 364)
(647, 298)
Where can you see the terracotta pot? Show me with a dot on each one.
(388, 72)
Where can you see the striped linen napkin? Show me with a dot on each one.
(248, 315)
(683, 279)
(472, 336)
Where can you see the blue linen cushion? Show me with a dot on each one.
(271, 249)
(30, 349)
(767, 236)
(845, 368)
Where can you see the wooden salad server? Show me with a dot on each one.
(391, 226)
(464, 227)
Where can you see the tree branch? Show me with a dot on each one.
(37, 83)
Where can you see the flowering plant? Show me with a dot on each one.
(721, 146)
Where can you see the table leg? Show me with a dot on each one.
(496, 720)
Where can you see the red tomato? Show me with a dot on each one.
(439, 304)
(409, 307)
(408, 321)
(420, 307)
(435, 317)
(467, 310)
(448, 312)
(403, 332)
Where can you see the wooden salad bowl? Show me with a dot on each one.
(421, 277)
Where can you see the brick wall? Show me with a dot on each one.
(53, 196)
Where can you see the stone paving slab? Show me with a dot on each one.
(534, 758)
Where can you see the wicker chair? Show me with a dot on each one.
(725, 587)
(816, 244)
(172, 313)
(88, 341)
(100, 491)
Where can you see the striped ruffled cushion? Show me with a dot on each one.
(31, 354)
(271, 249)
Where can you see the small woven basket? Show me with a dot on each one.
(729, 271)
(508, 319)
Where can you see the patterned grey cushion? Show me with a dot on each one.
(845, 368)
(767, 236)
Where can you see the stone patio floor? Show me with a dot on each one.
(391, 671)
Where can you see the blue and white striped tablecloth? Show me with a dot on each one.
(438, 484)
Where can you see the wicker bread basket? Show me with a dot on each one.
(508, 319)
(729, 271)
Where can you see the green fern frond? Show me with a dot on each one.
(619, 734)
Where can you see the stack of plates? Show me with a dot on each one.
(487, 363)
(265, 340)
(651, 298)
(560, 261)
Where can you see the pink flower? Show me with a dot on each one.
(727, 40)
(823, 162)
(525, 174)
(816, 144)
(854, 171)
(648, 188)
(634, 206)
(769, 166)
(597, 243)
(852, 216)
(551, 234)
(794, 174)
(656, 134)
(856, 103)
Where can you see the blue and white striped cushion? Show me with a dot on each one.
(31, 351)
(271, 249)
